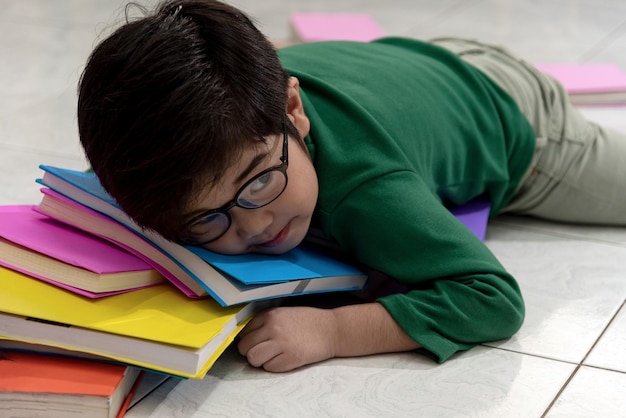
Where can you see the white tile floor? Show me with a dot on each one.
(569, 359)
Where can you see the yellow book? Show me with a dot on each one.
(156, 327)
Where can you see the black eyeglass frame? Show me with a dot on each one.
(282, 167)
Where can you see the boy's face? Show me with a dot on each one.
(277, 227)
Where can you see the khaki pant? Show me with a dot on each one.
(578, 173)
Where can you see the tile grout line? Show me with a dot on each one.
(604, 369)
(604, 331)
(581, 363)
(560, 392)
(530, 354)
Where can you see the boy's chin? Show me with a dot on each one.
(281, 249)
(289, 244)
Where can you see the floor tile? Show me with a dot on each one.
(592, 393)
(610, 351)
(481, 383)
(572, 289)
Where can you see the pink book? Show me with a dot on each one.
(67, 211)
(600, 83)
(312, 27)
(59, 254)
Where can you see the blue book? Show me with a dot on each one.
(77, 198)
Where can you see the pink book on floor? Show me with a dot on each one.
(600, 83)
(69, 258)
(312, 27)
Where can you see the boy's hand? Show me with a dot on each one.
(285, 338)
(282, 339)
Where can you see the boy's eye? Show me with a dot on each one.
(210, 218)
(259, 183)
(262, 190)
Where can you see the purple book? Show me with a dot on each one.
(474, 215)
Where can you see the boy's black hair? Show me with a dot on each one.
(167, 103)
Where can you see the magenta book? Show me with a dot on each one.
(49, 250)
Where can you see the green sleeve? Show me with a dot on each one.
(460, 295)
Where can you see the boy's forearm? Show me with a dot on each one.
(368, 329)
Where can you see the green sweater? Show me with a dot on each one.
(399, 129)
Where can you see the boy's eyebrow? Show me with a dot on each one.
(253, 164)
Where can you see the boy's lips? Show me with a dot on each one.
(278, 239)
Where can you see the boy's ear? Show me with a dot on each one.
(295, 109)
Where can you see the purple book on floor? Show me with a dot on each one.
(474, 215)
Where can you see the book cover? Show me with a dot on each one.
(145, 384)
(155, 327)
(77, 261)
(66, 210)
(228, 279)
(592, 83)
(313, 27)
(474, 215)
(52, 386)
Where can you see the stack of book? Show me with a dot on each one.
(79, 278)
(34, 248)
(81, 284)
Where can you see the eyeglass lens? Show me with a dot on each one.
(259, 191)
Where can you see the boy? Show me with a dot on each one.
(200, 132)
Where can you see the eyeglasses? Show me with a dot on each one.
(259, 191)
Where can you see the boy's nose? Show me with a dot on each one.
(250, 223)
